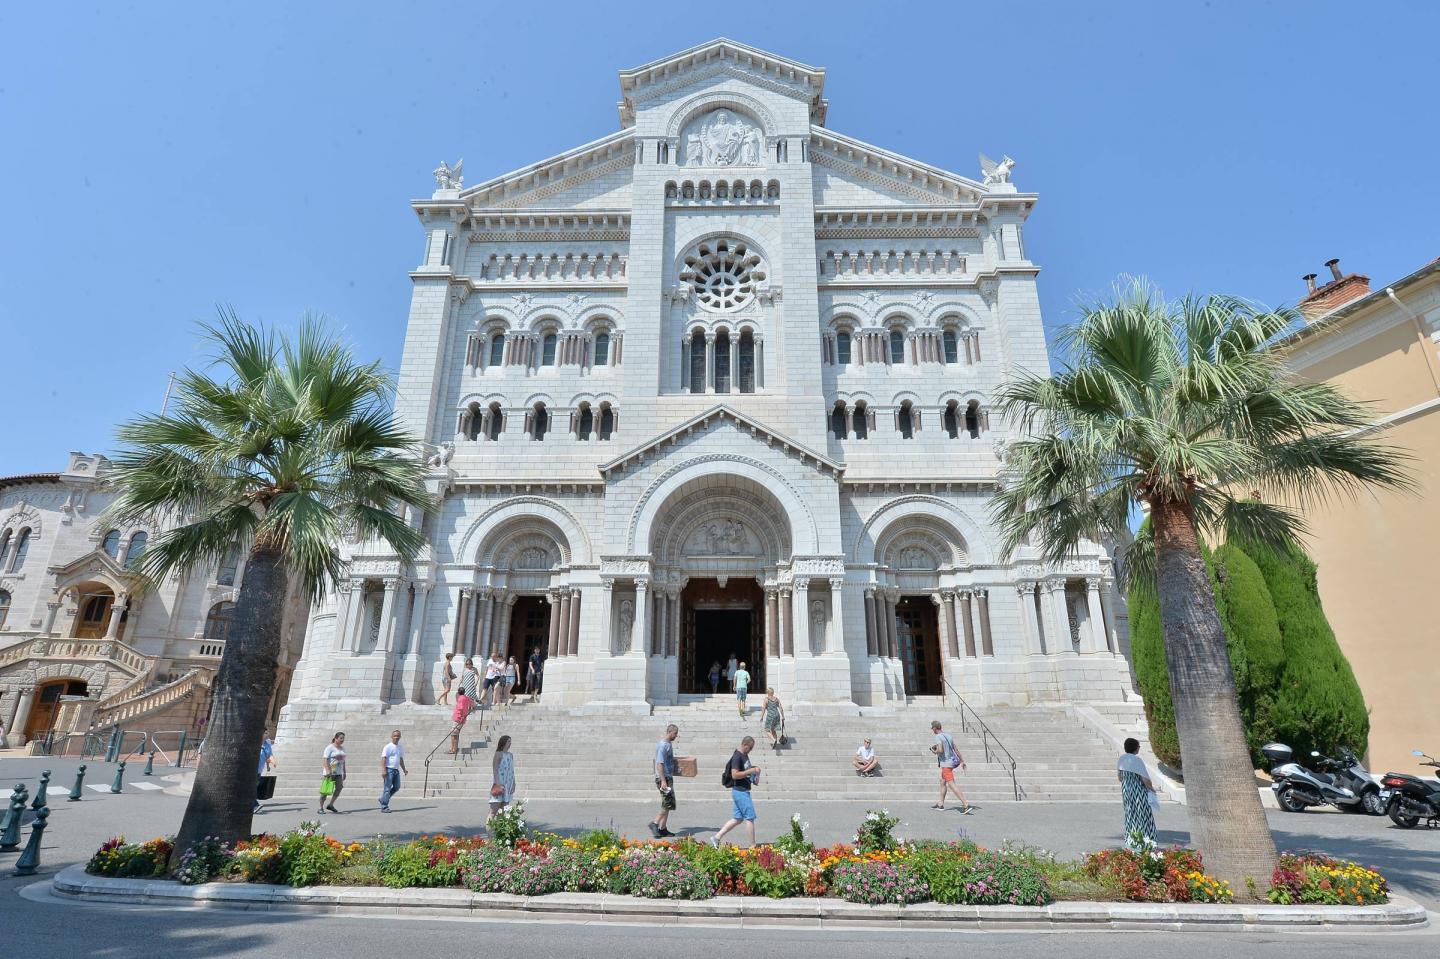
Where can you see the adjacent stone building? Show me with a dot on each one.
(720, 383)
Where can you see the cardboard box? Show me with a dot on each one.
(686, 766)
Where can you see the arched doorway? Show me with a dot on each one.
(46, 707)
(917, 634)
(721, 621)
(94, 603)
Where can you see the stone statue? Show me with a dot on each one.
(448, 177)
(817, 614)
(627, 621)
(750, 148)
(996, 172)
(694, 149)
(723, 139)
(442, 454)
(1001, 448)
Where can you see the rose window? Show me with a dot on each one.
(722, 275)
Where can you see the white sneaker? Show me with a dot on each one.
(715, 841)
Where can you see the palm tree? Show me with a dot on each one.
(290, 450)
(1182, 409)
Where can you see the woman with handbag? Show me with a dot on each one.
(502, 789)
(334, 782)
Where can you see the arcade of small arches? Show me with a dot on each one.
(545, 345)
(897, 342)
(588, 421)
(856, 420)
(721, 191)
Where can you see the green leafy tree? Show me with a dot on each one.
(1318, 704)
(285, 446)
(1174, 405)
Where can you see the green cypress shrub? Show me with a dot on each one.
(1147, 654)
(1318, 704)
(1252, 631)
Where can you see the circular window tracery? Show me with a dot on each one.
(722, 275)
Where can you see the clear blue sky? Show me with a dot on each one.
(156, 159)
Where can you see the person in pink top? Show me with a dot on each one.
(463, 705)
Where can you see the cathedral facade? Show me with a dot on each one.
(719, 384)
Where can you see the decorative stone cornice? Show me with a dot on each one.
(702, 420)
(722, 57)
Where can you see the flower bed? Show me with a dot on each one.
(877, 868)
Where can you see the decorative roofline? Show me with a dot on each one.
(545, 172)
(805, 453)
(787, 76)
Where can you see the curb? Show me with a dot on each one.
(74, 883)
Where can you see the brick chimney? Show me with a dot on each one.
(1342, 289)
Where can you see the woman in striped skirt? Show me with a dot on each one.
(1137, 792)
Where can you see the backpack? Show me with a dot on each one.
(726, 779)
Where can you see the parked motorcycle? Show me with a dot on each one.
(1340, 782)
(1409, 799)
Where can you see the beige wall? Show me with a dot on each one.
(1377, 553)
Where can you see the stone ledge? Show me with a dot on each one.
(75, 883)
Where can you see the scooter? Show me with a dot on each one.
(1409, 799)
(1343, 782)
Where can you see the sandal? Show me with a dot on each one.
(935, 805)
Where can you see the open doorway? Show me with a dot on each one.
(46, 708)
(529, 629)
(721, 621)
(917, 633)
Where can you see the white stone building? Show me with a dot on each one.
(720, 382)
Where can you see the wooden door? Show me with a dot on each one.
(918, 637)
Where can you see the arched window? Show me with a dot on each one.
(862, 420)
(22, 547)
(897, 347)
(547, 350)
(219, 621)
(972, 419)
(837, 421)
(136, 549)
(497, 421)
(4, 548)
(697, 362)
(842, 348)
(475, 423)
(4, 607)
(607, 421)
(225, 576)
(952, 421)
(540, 422)
(952, 346)
(904, 421)
(497, 349)
(587, 422)
(111, 544)
(602, 350)
(747, 362)
(722, 362)
(93, 612)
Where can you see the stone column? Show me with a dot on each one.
(607, 613)
(505, 604)
(987, 642)
(1024, 598)
(15, 730)
(574, 645)
(562, 643)
(117, 612)
(709, 362)
(734, 362)
(800, 618)
(52, 610)
(386, 641)
(640, 629)
(772, 625)
(967, 618)
(892, 628)
(1098, 643)
(787, 624)
(487, 619)
(553, 647)
(952, 615)
(759, 362)
(835, 641)
(462, 609)
(1060, 616)
(1107, 607)
(871, 646)
(674, 649)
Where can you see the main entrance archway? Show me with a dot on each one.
(720, 622)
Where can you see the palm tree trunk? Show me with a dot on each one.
(1227, 822)
(223, 797)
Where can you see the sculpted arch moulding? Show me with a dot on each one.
(747, 106)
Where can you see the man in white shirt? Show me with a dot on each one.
(865, 761)
(392, 764)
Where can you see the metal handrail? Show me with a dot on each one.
(454, 730)
(987, 735)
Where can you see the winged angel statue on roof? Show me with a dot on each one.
(996, 172)
(448, 177)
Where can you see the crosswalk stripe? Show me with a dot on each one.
(145, 786)
(98, 787)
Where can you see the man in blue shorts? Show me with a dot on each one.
(742, 777)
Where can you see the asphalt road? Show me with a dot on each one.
(42, 928)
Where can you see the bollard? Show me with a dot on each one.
(150, 764)
(29, 860)
(180, 753)
(119, 777)
(75, 794)
(40, 793)
(113, 749)
(10, 824)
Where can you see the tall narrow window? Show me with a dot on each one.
(607, 421)
(722, 362)
(602, 350)
(4, 607)
(547, 350)
(497, 349)
(747, 362)
(697, 362)
(952, 421)
(972, 419)
(475, 422)
(862, 420)
(136, 549)
(541, 424)
(842, 348)
(22, 547)
(837, 421)
(225, 576)
(952, 346)
(904, 420)
(497, 421)
(111, 544)
(897, 347)
(219, 621)
(5, 548)
(587, 422)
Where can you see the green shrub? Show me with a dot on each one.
(767, 873)
(130, 860)
(793, 842)
(417, 865)
(207, 859)
(877, 832)
(655, 872)
(600, 839)
(877, 883)
(308, 857)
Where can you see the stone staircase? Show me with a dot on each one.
(566, 754)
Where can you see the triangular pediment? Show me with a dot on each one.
(95, 564)
(582, 176)
(722, 57)
(891, 178)
(710, 420)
